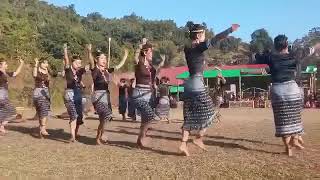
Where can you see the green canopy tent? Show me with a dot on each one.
(229, 73)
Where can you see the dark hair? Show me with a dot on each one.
(98, 53)
(280, 42)
(43, 59)
(75, 57)
(145, 48)
(194, 29)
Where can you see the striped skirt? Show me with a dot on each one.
(122, 104)
(101, 105)
(41, 101)
(73, 103)
(7, 110)
(286, 99)
(163, 107)
(198, 108)
(143, 100)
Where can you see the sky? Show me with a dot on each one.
(291, 17)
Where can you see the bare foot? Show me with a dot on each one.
(289, 152)
(300, 140)
(104, 141)
(98, 142)
(141, 142)
(198, 142)
(298, 146)
(183, 148)
(72, 140)
(3, 131)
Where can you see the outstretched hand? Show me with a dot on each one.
(235, 27)
(20, 60)
(65, 46)
(36, 60)
(89, 47)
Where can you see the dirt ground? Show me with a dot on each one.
(241, 146)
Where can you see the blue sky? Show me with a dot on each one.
(291, 17)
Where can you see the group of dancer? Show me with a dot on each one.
(199, 109)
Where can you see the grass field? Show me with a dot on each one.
(241, 146)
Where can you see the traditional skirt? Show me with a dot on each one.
(73, 103)
(198, 108)
(101, 105)
(7, 110)
(41, 101)
(286, 99)
(163, 107)
(143, 100)
(122, 104)
(131, 108)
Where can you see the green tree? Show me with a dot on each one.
(260, 41)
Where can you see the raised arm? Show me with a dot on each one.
(66, 57)
(124, 58)
(137, 53)
(19, 68)
(35, 69)
(90, 56)
(217, 38)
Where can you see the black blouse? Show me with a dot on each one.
(195, 54)
(74, 80)
(101, 78)
(4, 79)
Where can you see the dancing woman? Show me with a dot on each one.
(41, 96)
(7, 110)
(73, 92)
(143, 92)
(286, 96)
(198, 108)
(100, 76)
(163, 102)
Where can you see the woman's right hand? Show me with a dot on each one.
(36, 60)
(89, 47)
(65, 46)
(235, 27)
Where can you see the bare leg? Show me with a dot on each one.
(183, 147)
(100, 132)
(286, 141)
(2, 129)
(76, 132)
(295, 142)
(42, 128)
(143, 134)
(199, 140)
(300, 140)
(73, 126)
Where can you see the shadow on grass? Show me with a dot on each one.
(55, 134)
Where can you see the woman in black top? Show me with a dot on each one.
(41, 96)
(7, 110)
(123, 103)
(143, 93)
(286, 96)
(198, 108)
(101, 75)
(73, 92)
